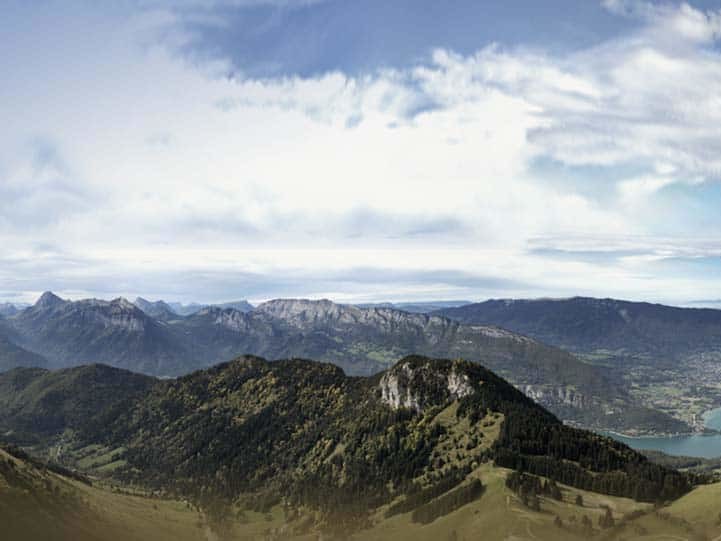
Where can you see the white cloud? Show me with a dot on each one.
(633, 191)
(427, 168)
(673, 20)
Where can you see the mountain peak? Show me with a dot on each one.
(296, 303)
(49, 300)
(157, 309)
(124, 303)
(288, 308)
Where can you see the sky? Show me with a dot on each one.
(209, 150)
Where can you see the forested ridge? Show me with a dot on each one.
(362, 341)
(305, 434)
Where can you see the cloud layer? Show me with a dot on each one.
(129, 166)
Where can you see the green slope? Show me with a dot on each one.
(37, 405)
(303, 432)
(423, 448)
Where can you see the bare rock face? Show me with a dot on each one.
(49, 300)
(557, 396)
(418, 385)
(118, 313)
(228, 318)
(314, 314)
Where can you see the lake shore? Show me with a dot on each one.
(702, 444)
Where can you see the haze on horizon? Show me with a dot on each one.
(226, 149)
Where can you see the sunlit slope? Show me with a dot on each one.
(37, 504)
(694, 517)
(499, 514)
(297, 448)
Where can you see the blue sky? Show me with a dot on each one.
(360, 37)
(218, 149)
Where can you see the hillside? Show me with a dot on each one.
(43, 502)
(306, 430)
(349, 336)
(36, 404)
(669, 357)
(38, 503)
(586, 324)
(12, 355)
(317, 451)
(301, 411)
(362, 341)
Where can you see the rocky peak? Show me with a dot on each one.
(418, 383)
(124, 304)
(557, 396)
(229, 318)
(49, 300)
(157, 309)
(143, 304)
(118, 313)
(309, 309)
(305, 313)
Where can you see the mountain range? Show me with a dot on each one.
(362, 341)
(669, 358)
(586, 325)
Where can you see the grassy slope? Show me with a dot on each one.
(36, 504)
(98, 513)
(499, 515)
(693, 517)
(90, 513)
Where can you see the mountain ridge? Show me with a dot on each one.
(582, 323)
(295, 449)
(305, 430)
(75, 332)
(360, 340)
(157, 309)
(666, 356)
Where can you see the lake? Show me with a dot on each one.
(695, 445)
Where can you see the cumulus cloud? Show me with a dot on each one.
(623, 102)
(427, 173)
